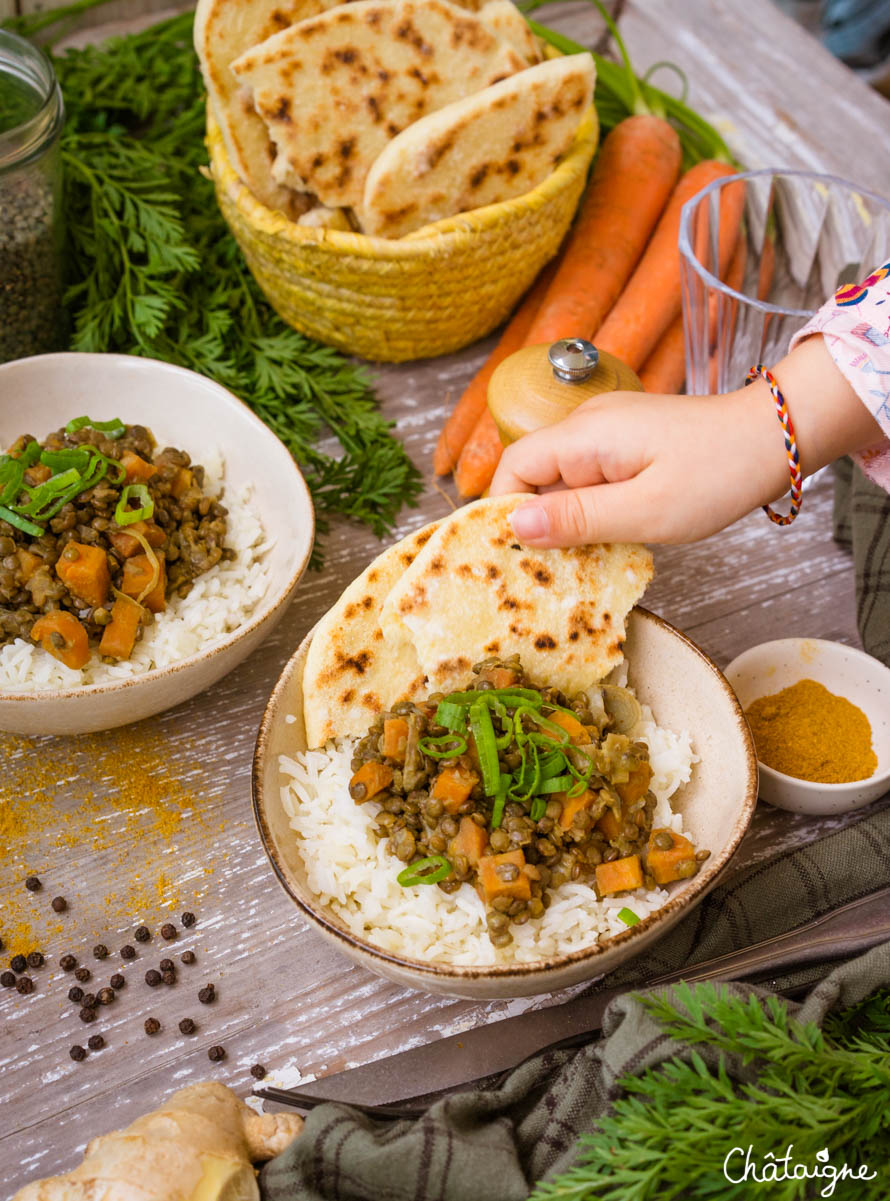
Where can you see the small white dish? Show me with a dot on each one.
(768, 668)
(186, 410)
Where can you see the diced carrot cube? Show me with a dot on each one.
(491, 885)
(573, 805)
(576, 732)
(637, 785)
(470, 841)
(38, 473)
(74, 650)
(621, 875)
(181, 482)
(138, 470)
(610, 825)
(453, 786)
(675, 863)
(501, 677)
(119, 636)
(395, 738)
(138, 574)
(126, 545)
(370, 779)
(84, 571)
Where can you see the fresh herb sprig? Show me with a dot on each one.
(154, 271)
(821, 1090)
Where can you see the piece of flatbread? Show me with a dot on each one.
(351, 675)
(474, 591)
(491, 146)
(225, 29)
(334, 89)
(505, 19)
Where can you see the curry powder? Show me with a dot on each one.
(808, 732)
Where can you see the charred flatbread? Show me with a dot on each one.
(334, 89)
(475, 591)
(351, 675)
(483, 149)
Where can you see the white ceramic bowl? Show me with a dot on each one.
(845, 671)
(185, 410)
(686, 691)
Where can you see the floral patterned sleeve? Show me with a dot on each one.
(856, 326)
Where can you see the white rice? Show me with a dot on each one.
(219, 602)
(353, 874)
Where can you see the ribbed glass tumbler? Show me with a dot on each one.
(760, 252)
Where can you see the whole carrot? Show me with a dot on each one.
(665, 368)
(471, 405)
(651, 301)
(479, 458)
(635, 172)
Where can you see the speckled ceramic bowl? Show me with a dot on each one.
(39, 395)
(845, 671)
(686, 691)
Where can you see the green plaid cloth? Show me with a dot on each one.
(862, 524)
(494, 1146)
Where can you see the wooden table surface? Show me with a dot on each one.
(127, 846)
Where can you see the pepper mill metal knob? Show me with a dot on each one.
(540, 385)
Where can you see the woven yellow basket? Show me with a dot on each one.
(390, 300)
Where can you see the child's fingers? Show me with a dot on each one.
(547, 457)
(621, 512)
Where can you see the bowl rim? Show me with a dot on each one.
(781, 777)
(264, 610)
(701, 883)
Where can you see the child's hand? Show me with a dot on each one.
(633, 467)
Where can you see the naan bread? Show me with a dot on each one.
(225, 29)
(350, 674)
(488, 147)
(474, 591)
(504, 18)
(333, 90)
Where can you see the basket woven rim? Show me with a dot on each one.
(420, 243)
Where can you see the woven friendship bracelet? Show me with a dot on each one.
(790, 446)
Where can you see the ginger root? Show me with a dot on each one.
(198, 1146)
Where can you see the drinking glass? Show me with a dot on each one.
(760, 253)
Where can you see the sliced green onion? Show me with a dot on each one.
(451, 716)
(46, 492)
(436, 748)
(507, 696)
(628, 917)
(139, 493)
(419, 873)
(20, 523)
(500, 800)
(486, 746)
(61, 460)
(556, 784)
(525, 788)
(538, 809)
(113, 429)
(12, 476)
(30, 454)
(552, 765)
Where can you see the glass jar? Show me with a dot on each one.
(31, 116)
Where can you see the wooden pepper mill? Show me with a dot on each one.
(539, 385)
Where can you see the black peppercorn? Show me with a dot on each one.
(152, 1025)
(188, 919)
(117, 980)
(33, 884)
(59, 904)
(152, 977)
(187, 1026)
(167, 965)
(96, 1042)
(216, 1054)
(82, 974)
(87, 1015)
(258, 1071)
(89, 1000)
(35, 959)
(207, 995)
(67, 963)
(75, 994)
(168, 931)
(168, 977)
(18, 963)
(187, 956)
(77, 1053)
(7, 979)
(100, 951)
(105, 996)
(143, 934)
(24, 985)
(128, 952)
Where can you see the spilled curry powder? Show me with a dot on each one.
(810, 733)
(113, 806)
